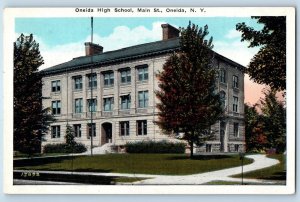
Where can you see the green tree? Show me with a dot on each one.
(70, 137)
(189, 102)
(30, 119)
(274, 115)
(268, 66)
(256, 139)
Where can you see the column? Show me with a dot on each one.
(133, 91)
(84, 96)
(116, 93)
(99, 95)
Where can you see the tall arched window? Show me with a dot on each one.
(222, 76)
(223, 98)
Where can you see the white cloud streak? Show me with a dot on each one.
(121, 37)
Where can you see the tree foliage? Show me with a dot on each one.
(268, 66)
(30, 119)
(188, 100)
(267, 129)
(256, 138)
(274, 115)
(70, 136)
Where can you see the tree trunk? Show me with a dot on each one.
(192, 145)
(192, 149)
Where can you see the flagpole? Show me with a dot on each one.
(91, 85)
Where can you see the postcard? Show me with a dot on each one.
(149, 100)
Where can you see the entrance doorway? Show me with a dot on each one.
(106, 133)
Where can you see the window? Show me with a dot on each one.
(108, 79)
(91, 129)
(92, 81)
(78, 105)
(143, 99)
(142, 127)
(223, 98)
(77, 130)
(222, 76)
(55, 86)
(125, 102)
(235, 104)
(55, 131)
(208, 148)
(125, 76)
(236, 147)
(56, 105)
(92, 105)
(143, 73)
(124, 128)
(236, 129)
(235, 82)
(78, 83)
(108, 104)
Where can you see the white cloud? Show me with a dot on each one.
(233, 34)
(236, 51)
(60, 54)
(122, 36)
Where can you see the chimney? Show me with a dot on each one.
(169, 32)
(92, 49)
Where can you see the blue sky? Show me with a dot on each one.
(57, 31)
(62, 39)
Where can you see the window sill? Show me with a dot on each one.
(107, 87)
(56, 115)
(125, 84)
(143, 82)
(55, 93)
(236, 89)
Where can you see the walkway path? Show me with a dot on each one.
(260, 161)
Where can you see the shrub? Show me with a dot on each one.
(155, 147)
(64, 148)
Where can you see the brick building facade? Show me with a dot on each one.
(119, 94)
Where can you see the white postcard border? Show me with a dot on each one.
(9, 18)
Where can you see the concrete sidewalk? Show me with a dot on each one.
(260, 161)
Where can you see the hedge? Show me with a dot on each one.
(64, 148)
(155, 147)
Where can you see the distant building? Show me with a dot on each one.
(120, 95)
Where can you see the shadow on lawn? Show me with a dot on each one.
(92, 170)
(276, 176)
(84, 179)
(39, 161)
(200, 157)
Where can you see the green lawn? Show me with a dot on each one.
(277, 172)
(22, 155)
(167, 164)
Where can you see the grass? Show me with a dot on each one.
(276, 172)
(164, 164)
(22, 155)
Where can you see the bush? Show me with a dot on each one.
(162, 147)
(64, 148)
